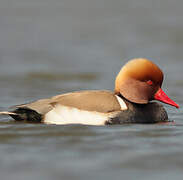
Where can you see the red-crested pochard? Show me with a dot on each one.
(138, 82)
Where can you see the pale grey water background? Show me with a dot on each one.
(49, 47)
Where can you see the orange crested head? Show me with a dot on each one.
(139, 81)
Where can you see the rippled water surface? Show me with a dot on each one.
(51, 47)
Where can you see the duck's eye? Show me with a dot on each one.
(149, 82)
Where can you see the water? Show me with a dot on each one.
(51, 47)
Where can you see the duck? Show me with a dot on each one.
(137, 84)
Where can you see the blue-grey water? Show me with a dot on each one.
(48, 47)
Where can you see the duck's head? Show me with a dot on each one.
(140, 81)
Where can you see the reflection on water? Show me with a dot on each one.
(52, 47)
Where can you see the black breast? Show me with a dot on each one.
(141, 113)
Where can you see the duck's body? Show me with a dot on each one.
(128, 104)
(89, 107)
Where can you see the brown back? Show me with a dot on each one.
(99, 101)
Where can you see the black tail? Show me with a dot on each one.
(24, 114)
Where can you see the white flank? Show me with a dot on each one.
(69, 115)
(122, 103)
